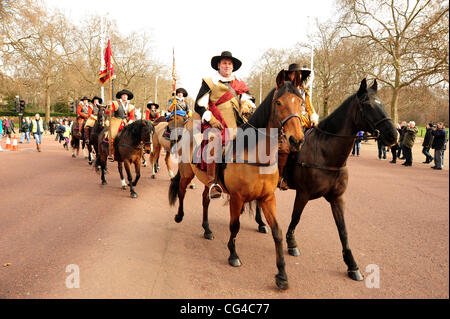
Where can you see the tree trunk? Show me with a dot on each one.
(325, 110)
(394, 100)
(47, 106)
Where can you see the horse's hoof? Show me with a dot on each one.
(355, 275)
(153, 176)
(124, 187)
(281, 282)
(178, 218)
(294, 251)
(263, 229)
(73, 155)
(234, 262)
(104, 183)
(90, 163)
(134, 195)
(209, 236)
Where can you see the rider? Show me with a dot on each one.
(299, 76)
(96, 101)
(122, 114)
(84, 111)
(152, 112)
(181, 106)
(219, 105)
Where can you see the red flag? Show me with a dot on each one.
(107, 67)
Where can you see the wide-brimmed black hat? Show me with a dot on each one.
(149, 105)
(225, 55)
(304, 70)
(181, 90)
(97, 98)
(120, 93)
(85, 98)
(294, 67)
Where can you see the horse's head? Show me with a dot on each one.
(373, 117)
(147, 130)
(286, 110)
(101, 116)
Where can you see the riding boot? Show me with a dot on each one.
(214, 189)
(282, 160)
(111, 151)
(86, 134)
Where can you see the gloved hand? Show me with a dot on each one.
(215, 123)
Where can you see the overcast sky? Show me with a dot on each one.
(200, 29)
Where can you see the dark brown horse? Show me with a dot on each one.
(129, 146)
(247, 181)
(99, 125)
(77, 138)
(319, 169)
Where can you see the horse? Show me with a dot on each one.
(244, 181)
(129, 145)
(99, 125)
(176, 125)
(319, 169)
(77, 137)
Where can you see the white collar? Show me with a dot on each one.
(218, 77)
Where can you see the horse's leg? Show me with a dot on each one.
(184, 181)
(102, 162)
(126, 163)
(235, 212)
(208, 234)
(262, 227)
(269, 207)
(299, 204)
(137, 170)
(122, 179)
(337, 206)
(154, 158)
(169, 165)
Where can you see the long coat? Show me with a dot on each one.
(410, 136)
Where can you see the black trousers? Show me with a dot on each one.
(426, 152)
(407, 152)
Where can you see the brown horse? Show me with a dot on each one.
(319, 169)
(92, 145)
(77, 137)
(245, 181)
(129, 145)
(176, 125)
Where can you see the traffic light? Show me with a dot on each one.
(72, 106)
(17, 104)
(22, 106)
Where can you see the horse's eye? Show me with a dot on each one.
(278, 103)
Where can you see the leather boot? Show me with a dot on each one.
(215, 190)
(282, 160)
(111, 151)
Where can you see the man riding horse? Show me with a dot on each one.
(84, 111)
(152, 112)
(122, 115)
(219, 104)
(180, 106)
(96, 101)
(299, 76)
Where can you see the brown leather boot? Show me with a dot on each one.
(215, 191)
(111, 151)
(282, 160)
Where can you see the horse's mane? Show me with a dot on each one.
(134, 129)
(262, 114)
(333, 122)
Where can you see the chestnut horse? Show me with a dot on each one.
(245, 181)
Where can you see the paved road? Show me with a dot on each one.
(55, 213)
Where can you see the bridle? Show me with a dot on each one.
(282, 122)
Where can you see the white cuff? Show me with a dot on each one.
(207, 116)
(314, 117)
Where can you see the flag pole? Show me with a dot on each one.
(102, 57)
(111, 110)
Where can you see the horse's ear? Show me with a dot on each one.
(374, 85)
(280, 79)
(362, 88)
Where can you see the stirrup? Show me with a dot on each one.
(281, 183)
(110, 158)
(210, 189)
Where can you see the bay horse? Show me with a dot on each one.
(99, 125)
(129, 145)
(319, 169)
(176, 125)
(244, 181)
(77, 137)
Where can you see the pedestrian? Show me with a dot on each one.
(427, 141)
(445, 143)
(25, 131)
(408, 142)
(357, 144)
(439, 135)
(51, 126)
(38, 128)
(11, 125)
(6, 127)
(400, 153)
(66, 134)
(395, 148)
(381, 149)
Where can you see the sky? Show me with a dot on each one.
(200, 29)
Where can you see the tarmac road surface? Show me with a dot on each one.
(54, 213)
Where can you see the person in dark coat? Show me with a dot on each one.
(439, 135)
(408, 142)
(403, 127)
(427, 141)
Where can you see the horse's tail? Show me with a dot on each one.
(174, 188)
